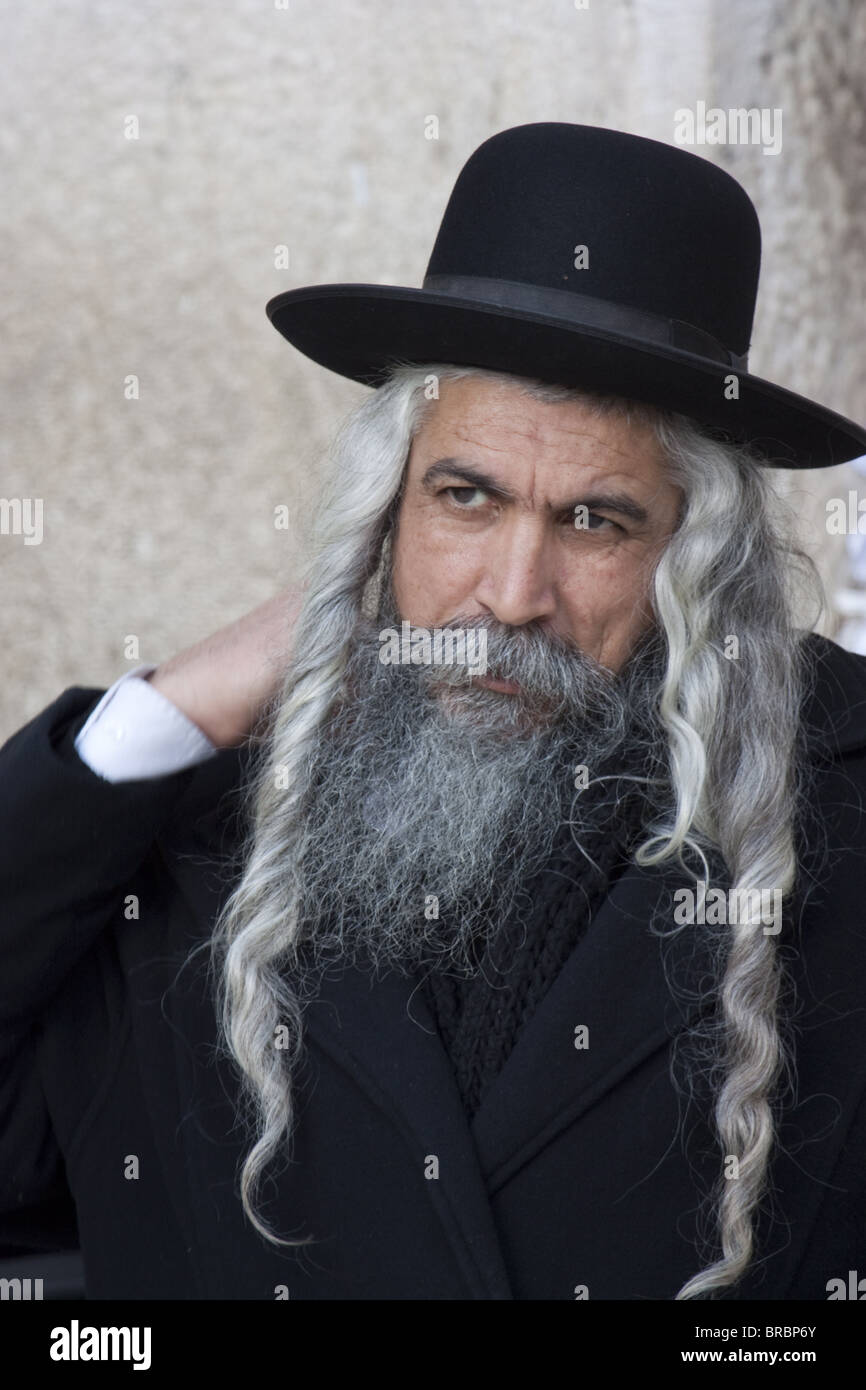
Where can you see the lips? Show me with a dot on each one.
(506, 687)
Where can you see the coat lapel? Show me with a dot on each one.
(610, 1008)
(383, 1034)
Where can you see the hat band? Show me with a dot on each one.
(587, 311)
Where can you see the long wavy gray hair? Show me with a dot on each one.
(730, 568)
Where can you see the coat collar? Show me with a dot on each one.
(835, 707)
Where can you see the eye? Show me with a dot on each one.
(605, 522)
(464, 506)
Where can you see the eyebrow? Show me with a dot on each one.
(619, 502)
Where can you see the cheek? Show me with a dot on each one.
(609, 601)
(610, 583)
(430, 569)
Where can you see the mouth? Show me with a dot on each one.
(491, 683)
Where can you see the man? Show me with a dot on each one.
(536, 974)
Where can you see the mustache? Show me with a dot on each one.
(543, 663)
(554, 676)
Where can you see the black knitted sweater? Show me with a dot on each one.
(480, 1018)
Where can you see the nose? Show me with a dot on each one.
(517, 583)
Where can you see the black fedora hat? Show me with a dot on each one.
(590, 258)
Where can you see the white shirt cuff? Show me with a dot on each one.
(136, 732)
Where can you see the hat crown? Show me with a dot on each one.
(658, 308)
(666, 232)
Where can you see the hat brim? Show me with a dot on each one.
(360, 331)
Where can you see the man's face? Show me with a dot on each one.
(487, 522)
(429, 780)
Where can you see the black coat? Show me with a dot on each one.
(575, 1171)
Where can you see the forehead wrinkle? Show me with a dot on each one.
(535, 434)
(498, 418)
(467, 433)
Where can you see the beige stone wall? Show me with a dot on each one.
(257, 126)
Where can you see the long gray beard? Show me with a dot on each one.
(433, 800)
